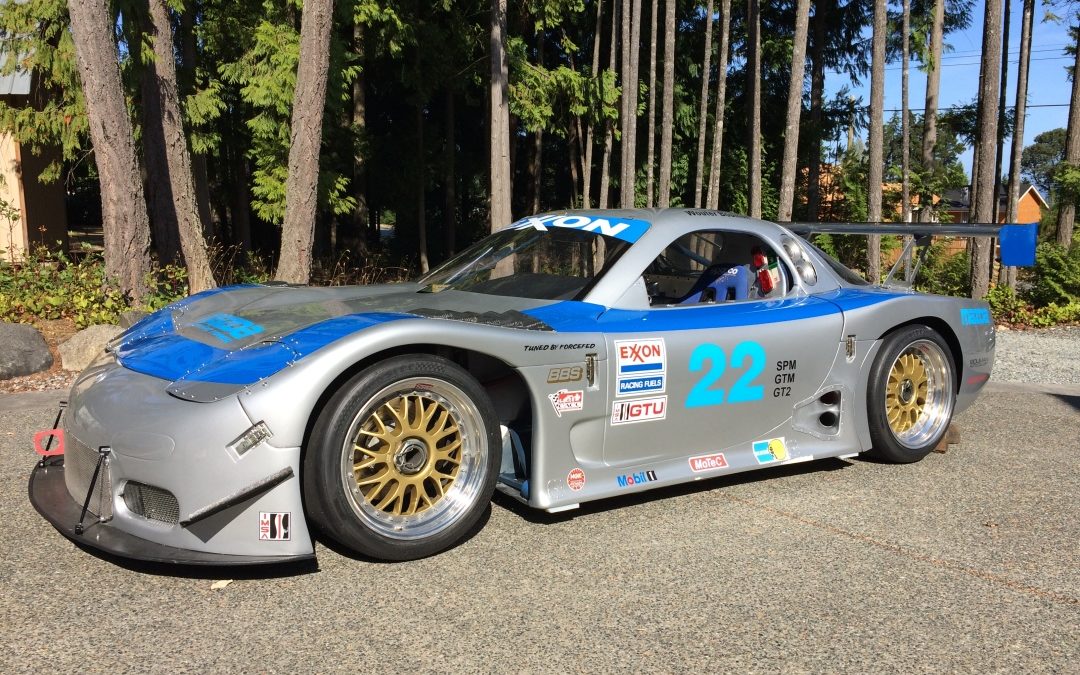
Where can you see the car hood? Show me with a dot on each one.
(241, 334)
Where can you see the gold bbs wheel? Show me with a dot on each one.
(910, 394)
(410, 459)
(918, 394)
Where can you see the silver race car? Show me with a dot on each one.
(570, 357)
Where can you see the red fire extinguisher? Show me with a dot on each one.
(761, 266)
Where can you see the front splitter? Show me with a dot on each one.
(49, 495)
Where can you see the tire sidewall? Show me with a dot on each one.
(884, 442)
(324, 490)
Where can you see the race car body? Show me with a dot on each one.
(571, 357)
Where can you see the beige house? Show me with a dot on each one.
(31, 213)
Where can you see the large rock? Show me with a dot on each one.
(22, 351)
(86, 345)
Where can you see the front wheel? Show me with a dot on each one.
(911, 394)
(403, 459)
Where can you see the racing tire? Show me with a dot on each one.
(402, 460)
(911, 394)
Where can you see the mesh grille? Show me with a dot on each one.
(79, 464)
(151, 502)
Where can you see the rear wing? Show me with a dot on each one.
(1017, 240)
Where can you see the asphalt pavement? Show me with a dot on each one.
(968, 561)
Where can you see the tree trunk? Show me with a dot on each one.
(586, 169)
(650, 153)
(162, 211)
(302, 184)
(668, 109)
(361, 216)
(1002, 90)
(450, 175)
(199, 170)
(536, 168)
(631, 36)
(241, 206)
(500, 120)
(712, 199)
(573, 147)
(933, 85)
(1018, 129)
(986, 139)
(123, 206)
(167, 128)
(905, 123)
(753, 68)
(794, 111)
(877, 124)
(605, 168)
(421, 189)
(817, 105)
(1067, 212)
(703, 108)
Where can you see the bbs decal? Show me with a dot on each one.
(747, 362)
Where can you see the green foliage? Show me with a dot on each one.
(48, 285)
(944, 272)
(37, 31)
(1007, 308)
(1055, 277)
(1039, 161)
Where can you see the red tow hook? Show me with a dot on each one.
(47, 450)
(55, 433)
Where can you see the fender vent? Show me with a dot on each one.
(151, 503)
(820, 415)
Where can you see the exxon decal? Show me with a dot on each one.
(627, 229)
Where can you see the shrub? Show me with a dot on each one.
(945, 273)
(1055, 279)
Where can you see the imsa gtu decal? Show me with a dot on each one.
(275, 526)
(640, 366)
(639, 410)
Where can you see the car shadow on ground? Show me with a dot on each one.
(1074, 401)
(539, 517)
(209, 572)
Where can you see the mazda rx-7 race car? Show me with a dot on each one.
(570, 357)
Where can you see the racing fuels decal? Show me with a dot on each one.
(575, 480)
(771, 450)
(708, 462)
(639, 410)
(636, 478)
(747, 358)
(979, 362)
(640, 366)
(227, 327)
(275, 526)
(627, 229)
(565, 374)
(975, 316)
(565, 400)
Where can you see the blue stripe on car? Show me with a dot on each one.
(572, 316)
(171, 356)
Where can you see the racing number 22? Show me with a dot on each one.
(704, 393)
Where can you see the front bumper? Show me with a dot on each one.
(49, 495)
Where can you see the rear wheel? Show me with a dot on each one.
(911, 394)
(403, 459)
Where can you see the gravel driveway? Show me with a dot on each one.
(1044, 356)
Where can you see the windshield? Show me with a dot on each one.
(551, 264)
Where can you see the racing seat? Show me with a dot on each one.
(720, 282)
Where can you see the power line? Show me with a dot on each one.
(940, 110)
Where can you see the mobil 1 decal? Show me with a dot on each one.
(737, 376)
(640, 366)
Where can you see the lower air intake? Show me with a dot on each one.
(151, 503)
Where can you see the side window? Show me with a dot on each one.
(712, 266)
